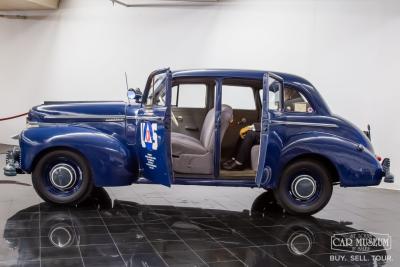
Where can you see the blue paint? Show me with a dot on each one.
(112, 162)
(109, 135)
(263, 166)
(217, 127)
(154, 147)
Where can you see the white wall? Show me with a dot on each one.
(349, 49)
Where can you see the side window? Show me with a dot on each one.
(275, 92)
(294, 101)
(157, 91)
(189, 96)
(238, 97)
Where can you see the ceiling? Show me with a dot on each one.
(28, 4)
(133, 3)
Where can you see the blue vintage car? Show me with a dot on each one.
(184, 125)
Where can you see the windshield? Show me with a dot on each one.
(157, 90)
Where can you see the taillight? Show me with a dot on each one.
(379, 158)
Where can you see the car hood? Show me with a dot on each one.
(77, 111)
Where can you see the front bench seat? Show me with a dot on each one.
(190, 155)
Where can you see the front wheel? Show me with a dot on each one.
(304, 188)
(62, 177)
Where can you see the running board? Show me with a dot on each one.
(205, 182)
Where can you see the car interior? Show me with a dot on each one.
(192, 138)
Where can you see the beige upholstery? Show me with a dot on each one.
(184, 144)
(196, 156)
(255, 151)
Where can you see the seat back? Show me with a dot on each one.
(207, 132)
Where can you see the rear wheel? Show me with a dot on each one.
(62, 177)
(304, 188)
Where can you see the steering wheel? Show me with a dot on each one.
(174, 120)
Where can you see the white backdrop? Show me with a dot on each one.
(349, 49)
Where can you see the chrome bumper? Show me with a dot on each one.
(388, 177)
(13, 166)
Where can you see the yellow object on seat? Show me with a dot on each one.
(244, 131)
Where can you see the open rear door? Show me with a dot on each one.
(154, 129)
(263, 170)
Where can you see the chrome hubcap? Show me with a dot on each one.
(304, 187)
(299, 244)
(60, 237)
(63, 176)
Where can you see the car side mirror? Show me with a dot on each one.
(134, 94)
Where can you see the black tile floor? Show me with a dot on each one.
(149, 225)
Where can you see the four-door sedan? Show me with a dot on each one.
(184, 125)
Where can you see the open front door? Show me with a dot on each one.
(154, 129)
(263, 170)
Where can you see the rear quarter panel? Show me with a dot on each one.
(355, 167)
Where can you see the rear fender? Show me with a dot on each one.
(355, 164)
(111, 162)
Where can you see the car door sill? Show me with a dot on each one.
(232, 181)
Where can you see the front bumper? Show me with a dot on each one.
(388, 177)
(13, 165)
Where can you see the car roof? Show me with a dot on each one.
(236, 73)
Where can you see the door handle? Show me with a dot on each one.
(179, 118)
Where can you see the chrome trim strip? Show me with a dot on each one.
(49, 124)
(84, 116)
(311, 124)
(134, 117)
(145, 117)
(156, 118)
(96, 117)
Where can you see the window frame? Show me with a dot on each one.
(258, 95)
(155, 94)
(280, 109)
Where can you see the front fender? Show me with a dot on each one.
(112, 163)
(355, 164)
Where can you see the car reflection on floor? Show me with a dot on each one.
(122, 233)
